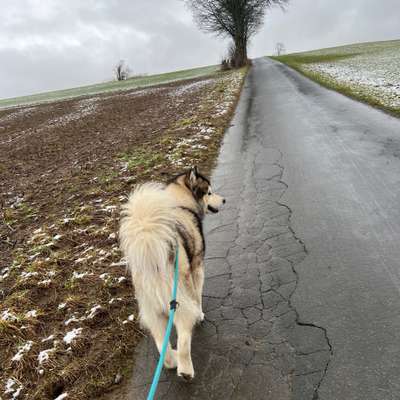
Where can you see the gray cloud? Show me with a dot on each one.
(54, 44)
(311, 24)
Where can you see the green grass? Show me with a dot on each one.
(379, 59)
(142, 158)
(112, 86)
(297, 59)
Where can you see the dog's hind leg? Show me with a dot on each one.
(184, 324)
(198, 281)
(157, 324)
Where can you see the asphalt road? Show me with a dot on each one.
(342, 166)
(303, 264)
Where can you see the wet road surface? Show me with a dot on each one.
(303, 264)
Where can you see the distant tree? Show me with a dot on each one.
(280, 49)
(121, 71)
(228, 62)
(232, 55)
(237, 19)
(225, 64)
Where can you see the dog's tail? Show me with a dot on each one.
(147, 231)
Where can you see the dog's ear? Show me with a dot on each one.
(192, 176)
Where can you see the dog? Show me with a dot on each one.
(156, 220)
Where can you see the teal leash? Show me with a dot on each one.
(172, 306)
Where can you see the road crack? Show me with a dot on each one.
(298, 320)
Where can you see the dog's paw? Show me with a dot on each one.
(202, 316)
(170, 361)
(186, 372)
(186, 377)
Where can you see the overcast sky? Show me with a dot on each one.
(54, 44)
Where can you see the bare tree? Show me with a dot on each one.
(237, 19)
(280, 49)
(121, 71)
(228, 62)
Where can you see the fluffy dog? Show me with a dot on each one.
(156, 219)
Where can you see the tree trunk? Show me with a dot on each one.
(240, 58)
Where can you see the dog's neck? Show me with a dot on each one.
(184, 196)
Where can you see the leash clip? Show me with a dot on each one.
(173, 305)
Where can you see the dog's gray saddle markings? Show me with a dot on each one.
(252, 344)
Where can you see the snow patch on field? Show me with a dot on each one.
(13, 388)
(144, 92)
(22, 350)
(191, 87)
(198, 142)
(31, 314)
(83, 108)
(79, 275)
(44, 355)
(8, 316)
(72, 335)
(93, 311)
(4, 273)
(373, 69)
(19, 113)
(51, 337)
(62, 396)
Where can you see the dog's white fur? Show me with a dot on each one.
(148, 239)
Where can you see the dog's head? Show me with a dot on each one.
(201, 189)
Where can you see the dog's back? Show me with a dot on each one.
(147, 231)
(147, 236)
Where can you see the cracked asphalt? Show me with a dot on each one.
(302, 265)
